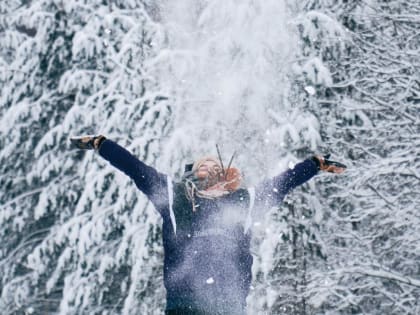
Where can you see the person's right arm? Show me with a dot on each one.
(152, 183)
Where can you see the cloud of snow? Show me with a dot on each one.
(226, 67)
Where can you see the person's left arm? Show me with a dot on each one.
(272, 191)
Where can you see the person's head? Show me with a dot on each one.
(209, 171)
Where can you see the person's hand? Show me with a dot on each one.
(87, 142)
(326, 165)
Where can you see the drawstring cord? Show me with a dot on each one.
(193, 191)
(191, 188)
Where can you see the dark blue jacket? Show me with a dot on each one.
(207, 262)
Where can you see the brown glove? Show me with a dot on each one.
(326, 165)
(87, 142)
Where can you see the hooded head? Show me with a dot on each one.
(210, 174)
(208, 170)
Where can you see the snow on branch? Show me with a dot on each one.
(384, 275)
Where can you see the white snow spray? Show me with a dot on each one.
(226, 69)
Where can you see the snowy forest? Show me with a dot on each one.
(274, 80)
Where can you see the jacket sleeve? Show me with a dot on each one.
(272, 191)
(152, 183)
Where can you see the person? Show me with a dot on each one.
(206, 224)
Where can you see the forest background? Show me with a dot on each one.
(275, 80)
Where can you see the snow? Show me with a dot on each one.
(317, 72)
(310, 89)
(272, 80)
(210, 280)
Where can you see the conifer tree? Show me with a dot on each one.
(70, 225)
(369, 116)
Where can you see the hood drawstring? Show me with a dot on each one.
(219, 190)
(191, 190)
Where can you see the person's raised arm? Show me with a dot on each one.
(272, 191)
(152, 183)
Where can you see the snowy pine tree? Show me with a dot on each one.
(74, 233)
(369, 116)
